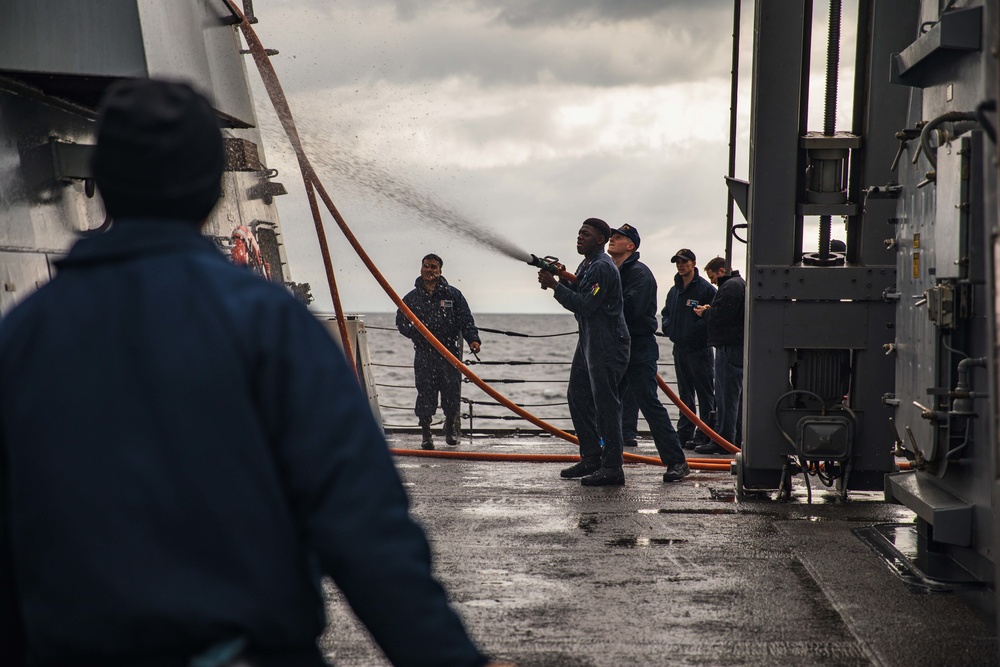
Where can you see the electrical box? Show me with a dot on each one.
(824, 438)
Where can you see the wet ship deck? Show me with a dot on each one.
(547, 572)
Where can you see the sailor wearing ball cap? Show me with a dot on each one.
(693, 360)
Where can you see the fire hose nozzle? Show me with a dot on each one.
(548, 263)
(552, 265)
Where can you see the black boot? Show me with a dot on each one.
(580, 469)
(604, 477)
(427, 442)
(452, 428)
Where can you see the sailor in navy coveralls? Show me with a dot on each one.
(600, 359)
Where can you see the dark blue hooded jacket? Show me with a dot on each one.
(680, 323)
(725, 317)
(184, 452)
(639, 294)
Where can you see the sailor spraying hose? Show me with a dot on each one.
(601, 356)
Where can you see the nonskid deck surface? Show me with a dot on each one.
(547, 572)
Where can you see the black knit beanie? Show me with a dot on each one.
(159, 151)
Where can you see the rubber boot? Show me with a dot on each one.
(427, 442)
(452, 428)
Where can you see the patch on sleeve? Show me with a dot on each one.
(595, 289)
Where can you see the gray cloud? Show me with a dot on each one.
(552, 13)
(377, 85)
(596, 42)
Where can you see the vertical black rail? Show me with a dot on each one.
(830, 108)
(733, 96)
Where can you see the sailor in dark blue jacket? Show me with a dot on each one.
(725, 333)
(183, 448)
(641, 391)
(444, 311)
(600, 358)
(693, 360)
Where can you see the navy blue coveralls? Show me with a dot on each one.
(183, 453)
(725, 334)
(446, 314)
(642, 393)
(693, 360)
(600, 359)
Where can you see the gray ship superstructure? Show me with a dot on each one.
(58, 58)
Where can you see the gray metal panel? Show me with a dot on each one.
(951, 210)
(856, 283)
(950, 516)
(42, 214)
(39, 213)
(72, 37)
(956, 31)
(362, 357)
(916, 338)
(825, 326)
(191, 40)
(991, 262)
(21, 273)
(926, 364)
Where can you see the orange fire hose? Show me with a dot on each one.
(689, 413)
(696, 464)
(331, 279)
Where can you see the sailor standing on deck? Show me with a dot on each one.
(445, 312)
(641, 392)
(183, 448)
(725, 333)
(694, 364)
(600, 358)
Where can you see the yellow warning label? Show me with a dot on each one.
(916, 240)
(916, 265)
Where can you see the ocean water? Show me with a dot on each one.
(536, 380)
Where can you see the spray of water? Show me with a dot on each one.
(369, 175)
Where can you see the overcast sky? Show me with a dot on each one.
(430, 121)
